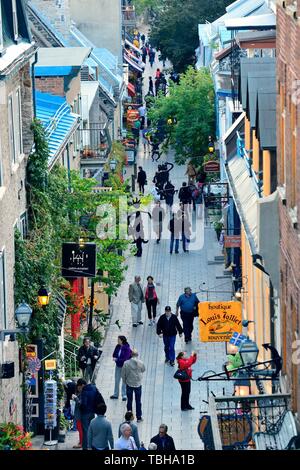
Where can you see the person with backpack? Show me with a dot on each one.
(90, 398)
(185, 195)
(121, 354)
(100, 436)
(184, 364)
(87, 358)
(169, 192)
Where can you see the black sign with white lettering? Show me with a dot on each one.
(78, 260)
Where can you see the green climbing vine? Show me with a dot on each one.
(53, 215)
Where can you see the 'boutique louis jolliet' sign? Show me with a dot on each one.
(78, 260)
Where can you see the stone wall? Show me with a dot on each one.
(12, 205)
(58, 13)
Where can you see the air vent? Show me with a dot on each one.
(84, 73)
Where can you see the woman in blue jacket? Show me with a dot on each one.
(121, 354)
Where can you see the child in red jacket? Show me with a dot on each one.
(185, 363)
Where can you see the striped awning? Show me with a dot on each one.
(132, 63)
(131, 89)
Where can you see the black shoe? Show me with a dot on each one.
(134, 325)
(190, 407)
(124, 399)
(166, 361)
(184, 409)
(141, 322)
(172, 363)
(176, 252)
(113, 397)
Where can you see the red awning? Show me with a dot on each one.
(131, 89)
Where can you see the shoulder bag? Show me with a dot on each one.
(181, 374)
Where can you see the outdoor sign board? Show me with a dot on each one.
(212, 167)
(78, 260)
(50, 364)
(232, 241)
(219, 320)
(31, 351)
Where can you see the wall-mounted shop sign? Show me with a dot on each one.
(211, 167)
(232, 241)
(50, 364)
(218, 320)
(78, 260)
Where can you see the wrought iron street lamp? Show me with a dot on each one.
(242, 385)
(113, 165)
(23, 314)
(43, 297)
(248, 352)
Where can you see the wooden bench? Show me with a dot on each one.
(279, 440)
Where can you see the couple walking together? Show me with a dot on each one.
(137, 296)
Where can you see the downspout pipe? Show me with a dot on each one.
(33, 83)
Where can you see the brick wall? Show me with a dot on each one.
(52, 85)
(288, 75)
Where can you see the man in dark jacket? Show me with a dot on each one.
(90, 398)
(167, 328)
(185, 194)
(87, 357)
(141, 179)
(163, 441)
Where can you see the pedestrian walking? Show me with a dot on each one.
(167, 328)
(136, 129)
(129, 418)
(163, 441)
(157, 85)
(100, 436)
(188, 305)
(132, 374)
(142, 111)
(77, 418)
(136, 298)
(144, 54)
(151, 300)
(150, 86)
(143, 38)
(185, 363)
(137, 232)
(175, 230)
(185, 228)
(146, 140)
(185, 195)
(158, 178)
(191, 173)
(141, 179)
(169, 192)
(157, 73)
(126, 441)
(158, 215)
(87, 358)
(90, 397)
(151, 56)
(121, 354)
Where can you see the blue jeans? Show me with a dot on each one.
(169, 342)
(86, 418)
(172, 243)
(138, 394)
(188, 324)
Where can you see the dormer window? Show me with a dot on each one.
(13, 25)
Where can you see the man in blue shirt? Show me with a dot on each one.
(188, 304)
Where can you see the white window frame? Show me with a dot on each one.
(3, 306)
(15, 20)
(23, 225)
(11, 129)
(1, 168)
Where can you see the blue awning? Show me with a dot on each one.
(55, 114)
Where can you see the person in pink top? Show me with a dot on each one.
(151, 300)
(185, 363)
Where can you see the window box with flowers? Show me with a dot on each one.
(13, 437)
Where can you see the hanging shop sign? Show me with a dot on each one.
(211, 167)
(31, 351)
(78, 260)
(219, 320)
(232, 241)
(50, 364)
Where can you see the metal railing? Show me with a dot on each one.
(70, 359)
(233, 421)
(95, 141)
(242, 152)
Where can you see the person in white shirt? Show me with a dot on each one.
(126, 441)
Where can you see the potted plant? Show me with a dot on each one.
(63, 427)
(13, 437)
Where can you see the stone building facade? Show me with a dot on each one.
(16, 113)
(288, 145)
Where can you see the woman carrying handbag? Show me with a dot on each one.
(184, 376)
